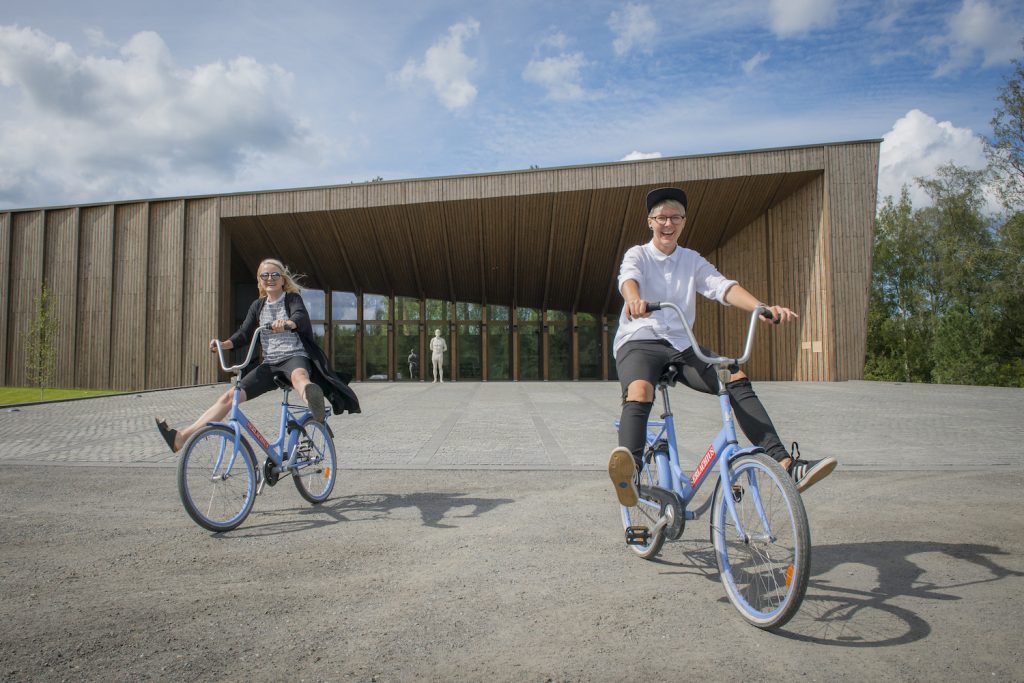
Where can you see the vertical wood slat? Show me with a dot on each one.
(27, 249)
(95, 284)
(744, 254)
(797, 266)
(164, 293)
(5, 291)
(128, 311)
(60, 273)
(200, 297)
(851, 171)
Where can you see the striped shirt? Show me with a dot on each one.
(278, 346)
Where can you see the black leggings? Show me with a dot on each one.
(644, 360)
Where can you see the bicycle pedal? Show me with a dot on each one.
(637, 535)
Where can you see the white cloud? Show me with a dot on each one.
(978, 27)
(127, 125)
(447, 67)
(797, 17)
(560, 75)
(916, 146)
(757, 60)
(634, 26)
(636, 156)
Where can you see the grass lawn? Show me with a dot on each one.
(9, 395)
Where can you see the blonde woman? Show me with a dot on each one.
(291, 350)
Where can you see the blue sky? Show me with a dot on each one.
(114, 100)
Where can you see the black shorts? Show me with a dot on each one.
(261, 379)
(646, 359)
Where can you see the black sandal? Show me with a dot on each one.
(169, 434)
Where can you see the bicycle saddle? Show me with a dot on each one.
(281, 380)
(669, 374)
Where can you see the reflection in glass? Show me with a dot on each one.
(527, 314)
(314, 301)
(375, 307)
(589, 346)
(344, 360)
(407, 351)
(466, 311)
(497, 313)
(469, 352)
(559, 351)
(343, 306)
(375, 351)
(499, 364)
(407, 308)
(530, 358)
(613, 326)
(438, 310)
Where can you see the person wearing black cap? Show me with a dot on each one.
(645, 342)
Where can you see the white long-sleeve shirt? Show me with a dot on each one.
(676, 278)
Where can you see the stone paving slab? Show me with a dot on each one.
(550, 425)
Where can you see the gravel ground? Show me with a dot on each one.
(479, 575)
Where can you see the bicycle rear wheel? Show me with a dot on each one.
(764, 573)
(316, 464)
(645, 513)
(215, 498)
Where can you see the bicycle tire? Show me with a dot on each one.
(764, 577)
(645, 513)
(214, 501)
(317, 463)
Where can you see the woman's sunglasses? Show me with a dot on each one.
(270, 276)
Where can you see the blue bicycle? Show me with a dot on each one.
(218, 474)
(758, 523)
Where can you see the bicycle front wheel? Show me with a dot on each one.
(215, 497)
(765, 570)
(316, 464)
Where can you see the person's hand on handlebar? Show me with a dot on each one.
(226, 345)
(780, 314)
(282, 325)
(637, 308)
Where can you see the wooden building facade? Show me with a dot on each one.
(140, 287)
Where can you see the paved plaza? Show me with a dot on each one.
(550, 425)
(474, 536)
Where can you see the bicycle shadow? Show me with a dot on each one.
(434, 510)
(858, 615)
(855, 616)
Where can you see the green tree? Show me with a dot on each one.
(41, 343)
(1005, 150)
(898, 331)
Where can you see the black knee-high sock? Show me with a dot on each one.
(633, 428)
(753, 418)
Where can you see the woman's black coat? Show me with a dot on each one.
(336, 390)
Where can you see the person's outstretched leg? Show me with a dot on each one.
(310, 392)
(758, 428)
(176, 438)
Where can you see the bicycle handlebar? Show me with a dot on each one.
(715, 360)
(248, 356)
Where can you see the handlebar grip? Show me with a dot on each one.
(652, 306)
(766, 314)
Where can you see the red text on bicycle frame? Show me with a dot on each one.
(704, 462)
(256, 433)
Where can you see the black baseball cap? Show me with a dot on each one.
(655, 197)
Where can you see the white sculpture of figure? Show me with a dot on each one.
(437, 348)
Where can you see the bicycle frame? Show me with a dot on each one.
(237, 421)
(723, 449)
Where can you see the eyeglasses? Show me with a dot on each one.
(663, 220)
(270, 276)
